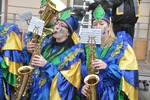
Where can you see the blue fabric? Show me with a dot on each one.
(72, 23)
(2, 40)
(107, 15)
(1, 85)
(131, 77)
(27, 36)
(14, 55)
(49, 71)
(108, 86)
(13, 27)
(63, 85)
(126, 37)
(26, 56)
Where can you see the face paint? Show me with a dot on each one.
(62, 31)
(105, 29)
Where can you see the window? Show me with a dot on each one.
(79, 4)
(1, 11)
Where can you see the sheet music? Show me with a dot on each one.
(24, 17)
(36, 25)
(87, 32)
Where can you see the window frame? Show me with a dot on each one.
(2, 13)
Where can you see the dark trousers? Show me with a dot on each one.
(124, 27)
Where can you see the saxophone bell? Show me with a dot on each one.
(25, 70)
(91, 80)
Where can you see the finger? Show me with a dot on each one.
(37, 56)
(33, 40)
(31, 45)
(87, 87)
(84, 92)
(97, 60)
(98, 65)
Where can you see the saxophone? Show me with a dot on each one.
(25, 78)
(92, 79)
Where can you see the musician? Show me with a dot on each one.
(125, 14)
(58, 74)
(53, 19)
(115, 60)
(10, 58)
(48, 28)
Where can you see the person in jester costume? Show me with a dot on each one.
(49, 26)
(58, 73)
(115, 60)
(10, 58)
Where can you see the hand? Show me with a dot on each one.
(99, 64)
(38, 60)
(86, 90)
(31, 47)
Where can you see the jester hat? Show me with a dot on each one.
(98, 13)
(71, 17)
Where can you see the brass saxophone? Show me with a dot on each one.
(25, 79)
(92, 79)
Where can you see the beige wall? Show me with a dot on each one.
(143, 19)
(21, 6)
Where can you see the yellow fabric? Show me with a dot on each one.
(75, 38)
(130, 90)
(117, 51)
(53, 91)
(128, 61)
(73, 75)
(117, 12)
(13, 66)
(13, 42)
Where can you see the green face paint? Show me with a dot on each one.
(62, 31)
(105, 29)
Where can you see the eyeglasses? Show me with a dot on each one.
(61, 24)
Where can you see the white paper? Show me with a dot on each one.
(24, 17)
(36, 26)
(87, 32)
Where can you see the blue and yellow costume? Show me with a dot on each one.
(121, 75)
(60, 78)
(10, 57)
(119, 81)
